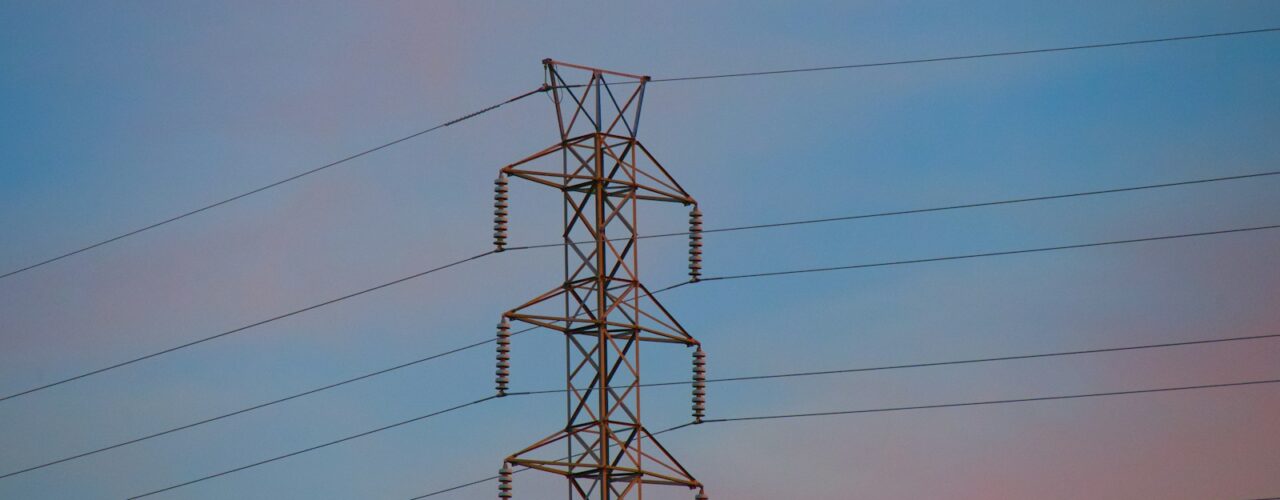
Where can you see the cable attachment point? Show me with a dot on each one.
(504, 481)
(699, 385)
(504, 356)
(702, 495)
(695, 244)
(500, 212)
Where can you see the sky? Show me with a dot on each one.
(117, 115)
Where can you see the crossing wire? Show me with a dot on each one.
(922, 407)
(272, 185)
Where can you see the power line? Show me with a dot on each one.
(313, 448)
(273, 184)
(677, 285)
(482, 255)
(983, 403)
(727, 229)
(970, 56)
(341, 440)
(975, 205)
(988, 254)
(280, 400)
(919, 407)
(259, 323)
(658, 384)
(912, 211)
(461, 486)
(943, 363)
(843, 412)
(671, 79)
(732, 419)
(258, 406)
(243, 328)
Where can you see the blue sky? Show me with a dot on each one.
(119, 114)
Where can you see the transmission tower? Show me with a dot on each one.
(603, 310)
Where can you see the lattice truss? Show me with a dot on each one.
(603, 310)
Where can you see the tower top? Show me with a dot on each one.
(550, 63)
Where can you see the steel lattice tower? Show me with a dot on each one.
(603, 310)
